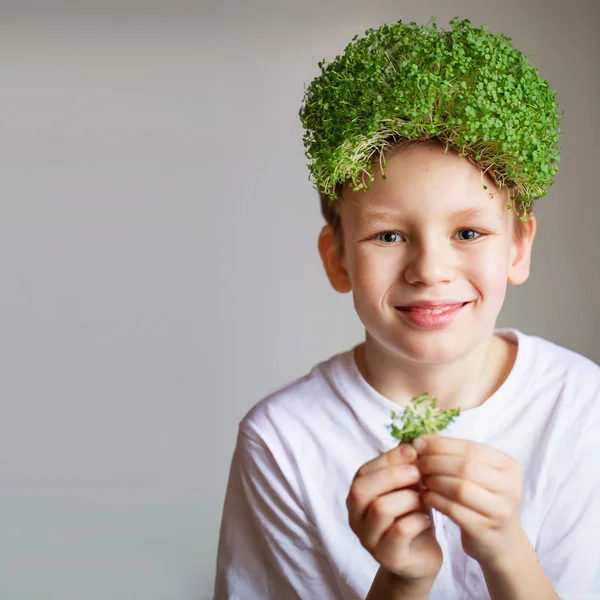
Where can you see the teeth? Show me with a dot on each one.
(432, 311)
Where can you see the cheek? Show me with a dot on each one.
(375, 272)
(488, 268)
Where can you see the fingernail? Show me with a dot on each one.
(420, 444)
(408, 452)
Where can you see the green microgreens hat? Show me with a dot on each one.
(467, 87)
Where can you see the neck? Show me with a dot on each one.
(464, 383)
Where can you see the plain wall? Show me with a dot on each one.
(159, 261)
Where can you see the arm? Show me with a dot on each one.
(268, 548)
(519, 577)
(386, 586)
(568, 542)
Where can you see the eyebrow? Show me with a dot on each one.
(379, 214)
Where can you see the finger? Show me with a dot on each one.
(468, 495)
(420, 488)
(400, 535)
(439, 444)
(383, 512)
(368, 487)
(464, 517)
(463, 468)
(427, 510)
(402, 454)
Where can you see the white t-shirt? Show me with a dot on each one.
(285, 532)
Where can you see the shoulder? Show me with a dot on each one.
(567, 379)
(290, 408)
(561, 365)
(285, 434)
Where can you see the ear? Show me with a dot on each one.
(334, 264)
(520, 254)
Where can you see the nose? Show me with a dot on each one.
(430, 262)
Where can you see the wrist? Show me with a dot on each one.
(511, 559)
(389, 586)
(518, 574)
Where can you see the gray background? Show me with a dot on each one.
(159, 261)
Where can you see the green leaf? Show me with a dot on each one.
(421, 416)
(467, 87)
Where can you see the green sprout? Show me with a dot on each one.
(421, 417)
(468, 88)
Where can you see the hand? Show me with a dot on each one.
(479, 488)
(386, 513)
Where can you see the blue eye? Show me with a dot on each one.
(388, 235)
(473, 235)
(391, 237)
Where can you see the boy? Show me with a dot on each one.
(321, 502)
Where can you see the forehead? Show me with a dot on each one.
(422, 180)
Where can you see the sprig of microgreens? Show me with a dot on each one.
(421, 417)
(468, 88)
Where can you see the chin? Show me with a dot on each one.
(434, 346)
(434, 351)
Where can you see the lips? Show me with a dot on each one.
(431, 315)
(433, 310)
(444, 303)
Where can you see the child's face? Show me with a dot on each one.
(429, 232)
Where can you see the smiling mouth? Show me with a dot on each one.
(437, 310)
